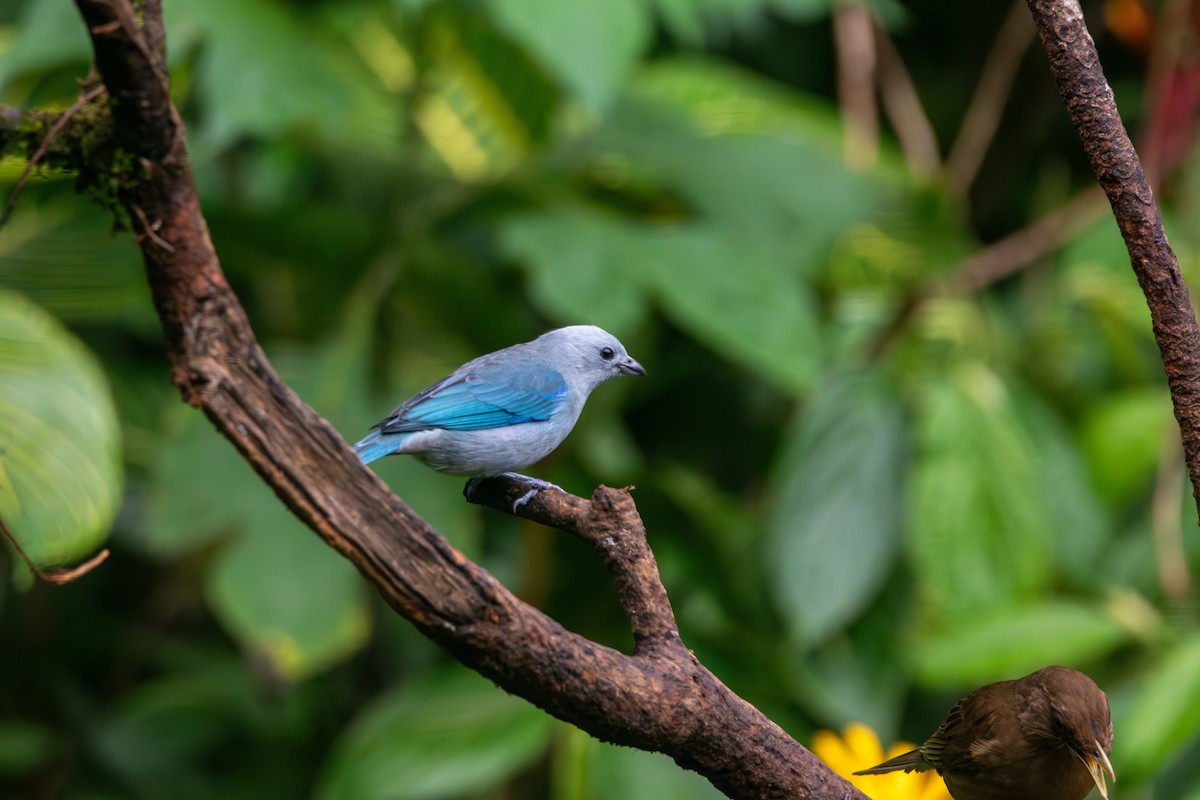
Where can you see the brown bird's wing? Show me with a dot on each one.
(929, 755)
(942, 747)
(912, 761)
(965, 732)
(977, 731)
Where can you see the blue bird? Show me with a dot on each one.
(503, 411)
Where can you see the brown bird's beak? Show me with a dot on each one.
(1097, 764)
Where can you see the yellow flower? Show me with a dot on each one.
(859, 748)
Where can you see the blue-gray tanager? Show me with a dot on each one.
(503, 411)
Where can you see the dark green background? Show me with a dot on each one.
(396, 187)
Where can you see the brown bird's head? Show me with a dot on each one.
(1079, 718)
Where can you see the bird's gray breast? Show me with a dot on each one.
(490, 451)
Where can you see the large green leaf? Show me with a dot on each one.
(744, 301)
(1165, 713)
(860, 677)
(24, 746)
(1015, 641)
(744, 152)
(739, 299)
(287, 596)
(717, 21)
(591, 46)
(1083, 527)
(253, 45)
(586, 769)
(48, 34)
(1096, 319)
(1123, 438)
(835, 513)
(440, 736)
(60, 467)
(979, 530)
(485, 100)
(163, 735)
(200, 489)
(584, 265)
(76, 267)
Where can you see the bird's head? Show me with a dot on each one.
(589, 352)
(1081, 720)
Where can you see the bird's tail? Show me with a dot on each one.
(911, 761)
(375, 445)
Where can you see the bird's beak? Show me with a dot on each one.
(1097, 764)
(631, 367)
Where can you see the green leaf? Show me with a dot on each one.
(24, 746)
(1165, 713)
(48, 33)
(718, 99)
(739, 299)
(486, 102)
(1082, 523)
(1102, 321)
(591, 46)
(170, 733)
(195, 466)
(252, 44)
(76, 267)
(1123, 436)
(622, 773)
(835, 513)
(163, 726)
(438, 736)
(979, 532)
(583, 265)
(60, 465)
(854, 678)
(1015, 641)
(746, 153)
(285, 595)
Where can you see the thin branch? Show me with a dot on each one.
(997, 261)
(55, 576)
(58, 127)
(1090, 105)
(904, 110)
(1026, 246)
(660, 698)
(982, 118)
(611, 525)
(853, 33)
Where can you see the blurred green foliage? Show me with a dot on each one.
(856, 520)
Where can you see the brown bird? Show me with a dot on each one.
(1046, 736)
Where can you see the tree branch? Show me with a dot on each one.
(611, 525)
(994, 263)
(982, 118)
(1090, 105)
(660, 698)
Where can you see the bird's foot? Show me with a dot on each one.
(536, 485)
(472, 485)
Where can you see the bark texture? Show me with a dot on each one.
(1075, 65)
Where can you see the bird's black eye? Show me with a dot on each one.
(607, 353)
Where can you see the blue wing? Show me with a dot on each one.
(492, 395)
